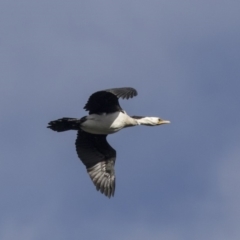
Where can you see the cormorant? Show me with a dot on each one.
(105, 117)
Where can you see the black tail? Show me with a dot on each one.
(64, 124)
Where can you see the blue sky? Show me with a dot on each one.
(174, 182)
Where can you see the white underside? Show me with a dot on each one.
(107, 123)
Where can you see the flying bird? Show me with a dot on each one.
(105, 117)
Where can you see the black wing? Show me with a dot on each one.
(106, 101)
(125, 92)
(99, 158)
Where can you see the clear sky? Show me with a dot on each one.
(174, 182)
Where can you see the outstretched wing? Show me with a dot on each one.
(106, 101)
(99, 158)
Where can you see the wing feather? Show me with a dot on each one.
(106, 101)
(99, 158)
(125, 92)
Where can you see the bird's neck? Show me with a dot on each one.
(147, 121)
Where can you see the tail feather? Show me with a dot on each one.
(64, 124)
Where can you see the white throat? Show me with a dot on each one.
(149, 121)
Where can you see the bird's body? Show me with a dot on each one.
(105, 117)
(106, 123)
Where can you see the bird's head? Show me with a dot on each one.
(161, 121)
(150, 121)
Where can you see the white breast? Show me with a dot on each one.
(105, 123)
